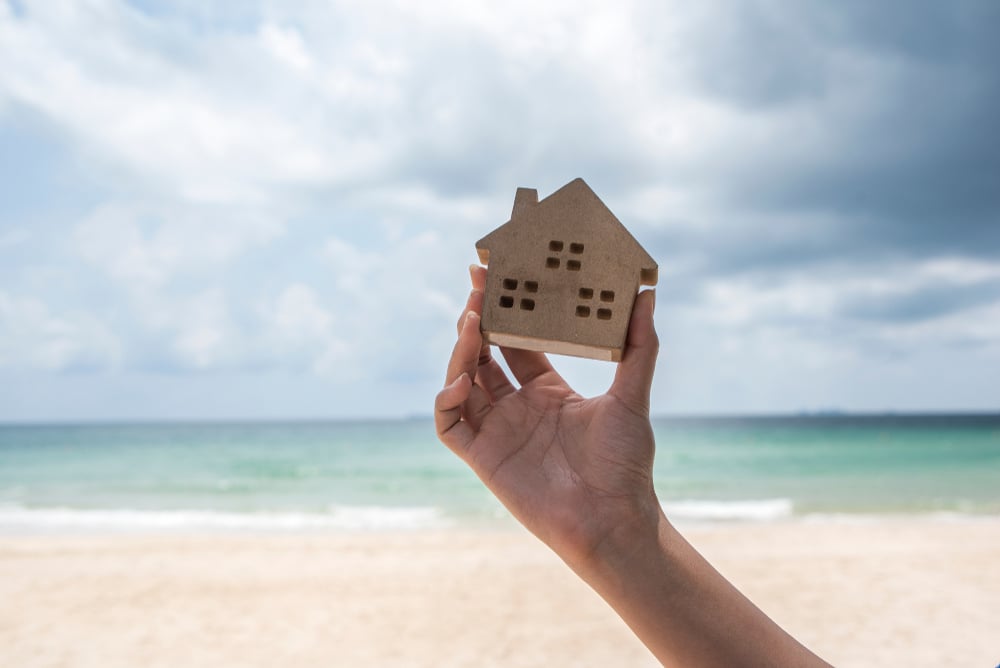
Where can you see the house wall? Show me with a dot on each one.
(560, 288)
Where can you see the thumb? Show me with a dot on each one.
(634, 376)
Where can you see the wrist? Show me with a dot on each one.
(640, 536)
(685, 612)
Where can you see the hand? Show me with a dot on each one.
(574, 471)
(578, 473)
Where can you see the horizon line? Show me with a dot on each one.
(803, 414)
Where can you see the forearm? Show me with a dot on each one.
(684, 610)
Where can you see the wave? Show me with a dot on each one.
(344, 518)
(759, 510)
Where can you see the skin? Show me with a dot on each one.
(577, 472)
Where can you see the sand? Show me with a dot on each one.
(886, 593)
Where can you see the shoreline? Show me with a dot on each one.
(21, 521)
(906, 591)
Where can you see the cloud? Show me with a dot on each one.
(925, 303)
(295, 188)
(286, 45)
(202, 330)
(898, 147)
(305, 334)
(141, 244)
(393, 302)
(761, 105)
(156, 117)
(32, 336)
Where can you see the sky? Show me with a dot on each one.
(266, 210)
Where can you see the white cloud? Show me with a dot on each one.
(203, 335)
(159, 120)
(958, 270)
(286, 45)
(145, 245)
(357, 97)
(392, 302)
(32, 336)
(299, 316)
(306, 332)
(818, 294)
(166, 264)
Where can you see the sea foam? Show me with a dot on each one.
(344, 518)
(758, 510)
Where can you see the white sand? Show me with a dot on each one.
(892, 593)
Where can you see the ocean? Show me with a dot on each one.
(394, 475)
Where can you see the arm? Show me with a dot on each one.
(578, 474)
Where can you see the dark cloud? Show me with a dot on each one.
(917, 169)
(900, 157)
(761, 54)
(480, 124)
(925, 172)
(959, 31)
(923, 303)
(758, 55)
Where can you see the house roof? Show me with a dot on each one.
(573, 202)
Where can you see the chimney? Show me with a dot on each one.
(523, 198)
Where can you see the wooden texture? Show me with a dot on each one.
(562, 275)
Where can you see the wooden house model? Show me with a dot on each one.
(562, 275)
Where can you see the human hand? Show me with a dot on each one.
(574, 471)
(578, 473)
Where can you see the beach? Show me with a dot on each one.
(873, 539)
(870, 592)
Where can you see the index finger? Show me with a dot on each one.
(478, 276)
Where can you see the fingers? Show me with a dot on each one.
(489, 375)
(461, 406)
(478, 276)
(451, 429)
(465, 356)
(465, 359)
(493, 379)
(473, 304)
(476, 407)
(634, 376)
(526, 365)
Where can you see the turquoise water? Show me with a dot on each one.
(877, 464)
(394, 474)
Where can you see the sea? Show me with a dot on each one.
(395, 475)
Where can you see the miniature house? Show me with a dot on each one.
(562, 275)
